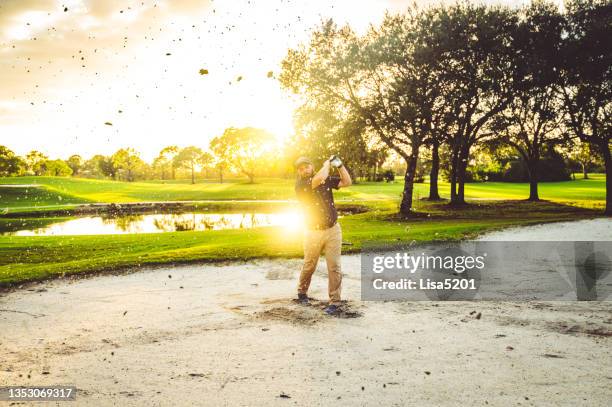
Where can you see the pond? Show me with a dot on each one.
(158, 223)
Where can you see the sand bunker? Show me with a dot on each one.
(232, 333)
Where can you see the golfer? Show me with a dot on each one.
(323, 233)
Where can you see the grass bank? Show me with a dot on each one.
(25, 259)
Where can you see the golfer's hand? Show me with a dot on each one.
(335, 161)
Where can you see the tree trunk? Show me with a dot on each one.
(461, 182)
(462, 161)
(406, 204)
(533, 167)
(434, 195)
(192, 175)
(453, 177)
(585, 174)
(251, 178)
(220, 176)
(605, 150)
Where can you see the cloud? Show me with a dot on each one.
(10, 9)
(41, 43)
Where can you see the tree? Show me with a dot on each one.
(190, 158)
(75, 162)
(99, 166)
(207, 160)
(34, 162)
(379, 78)
(10, 164)
(56, 168)
(586, 86)
(91, 167)
(221, 165)
(159, 164)
(527, 125)
(475, 69)
(247, 149)
(165, 161)
(580, 152)
(128, 163)
(531, 120)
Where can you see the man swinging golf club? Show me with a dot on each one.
(323, 233)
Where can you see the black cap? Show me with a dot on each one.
(302, 160)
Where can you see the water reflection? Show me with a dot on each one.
(159, 223)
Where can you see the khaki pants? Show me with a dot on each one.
(330, 241)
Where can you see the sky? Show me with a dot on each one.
(92, 76)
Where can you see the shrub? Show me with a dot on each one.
(388, 176)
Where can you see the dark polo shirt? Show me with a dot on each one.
(319, 202)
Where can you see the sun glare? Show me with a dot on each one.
(292, 221)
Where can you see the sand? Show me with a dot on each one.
(231, 335)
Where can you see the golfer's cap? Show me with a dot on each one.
(302, 160)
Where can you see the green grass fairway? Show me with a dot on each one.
(493, 206)
(34, 198)
(69, 191)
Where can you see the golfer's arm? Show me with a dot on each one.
(321, 176)
(345, 177)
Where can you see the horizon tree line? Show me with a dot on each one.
(500, 164)
(247, 151)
